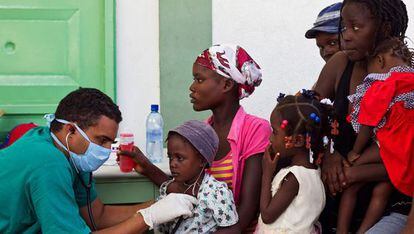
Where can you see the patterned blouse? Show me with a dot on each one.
(215, 209)
(361, 90)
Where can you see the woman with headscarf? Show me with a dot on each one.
(223, 75)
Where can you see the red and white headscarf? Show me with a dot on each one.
(233, 62)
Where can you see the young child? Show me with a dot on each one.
(191, 149)
(325, 31)
(292, 201)
(382, 107)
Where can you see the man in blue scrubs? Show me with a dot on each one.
(45, 177)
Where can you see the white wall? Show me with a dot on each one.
(272, 32)
(137, 36)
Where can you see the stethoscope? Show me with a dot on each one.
(86, 186)
(88, 197)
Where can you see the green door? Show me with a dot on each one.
(49, 48)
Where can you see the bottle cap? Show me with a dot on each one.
(154, 107)
(126, 135)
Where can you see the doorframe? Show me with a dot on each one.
(110, 48)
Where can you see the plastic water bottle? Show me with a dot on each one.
(155, 138)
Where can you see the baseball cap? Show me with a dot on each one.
(327, 21)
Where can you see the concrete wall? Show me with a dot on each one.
(272, 31)
(138, 86)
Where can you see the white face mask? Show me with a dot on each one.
(94, 157)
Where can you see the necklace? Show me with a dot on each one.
(193, 185)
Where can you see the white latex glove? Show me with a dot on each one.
(170, 207)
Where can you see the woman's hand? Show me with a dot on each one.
(142, 162)
(269, 162)
(332, 172)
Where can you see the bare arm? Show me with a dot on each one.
(329, 76)
(250, 191)
(371, 156)
(234, 229)
(166, 209)
(107, 216)
(332, 167)
(361, 143)
(364, 136)
(366, 173)
(133, 225)
(409, 228)
(272, 208)
(332, 172)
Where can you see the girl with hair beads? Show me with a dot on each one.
(191, 149)
(292, 201)
(383, 107)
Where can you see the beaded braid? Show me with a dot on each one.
(297, 110)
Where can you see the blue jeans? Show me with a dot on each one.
(391, 224)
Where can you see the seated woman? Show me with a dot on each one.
(381, 109)
(223, 75)
(191, 148)
(361, 30)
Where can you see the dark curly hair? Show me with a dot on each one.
(84, 107)
(397, 47)
(390, 14)
(297, 110)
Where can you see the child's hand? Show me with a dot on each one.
(346, 163)
(269, 162)
(142, 162)
(353, 156)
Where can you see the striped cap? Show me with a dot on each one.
(327, 21)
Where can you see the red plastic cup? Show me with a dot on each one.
(126, 164)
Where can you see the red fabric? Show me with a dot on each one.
(204, 60)
(396, 141)
(19, 131)
(242, 57)
(376, 100)
(396, 137)
(348, 118)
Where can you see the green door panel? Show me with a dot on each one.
(185, 31)
(49, 48)
(123, 191)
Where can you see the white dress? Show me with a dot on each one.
(303, 213)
